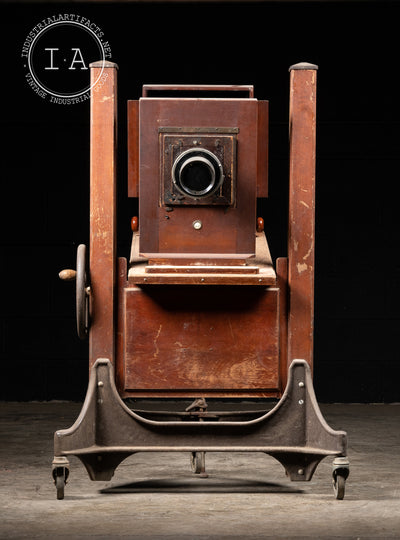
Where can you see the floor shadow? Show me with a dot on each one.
(200, 485)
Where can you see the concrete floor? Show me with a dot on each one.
(155, 496)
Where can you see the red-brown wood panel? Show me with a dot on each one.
(302, 121)
(133, 148)
(190, 341)
(282, 283)
(224, 229)
(103, 213)
(262, 149)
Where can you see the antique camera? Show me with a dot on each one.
(199, 310)
(202, 165)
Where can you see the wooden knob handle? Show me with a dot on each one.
(67, 275)
(260, 224)
(135, 223)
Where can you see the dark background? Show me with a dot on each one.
(45, 175)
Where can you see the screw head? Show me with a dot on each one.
(197, 224)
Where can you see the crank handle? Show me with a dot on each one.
(67, 275)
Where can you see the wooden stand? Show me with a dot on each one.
(200, 311)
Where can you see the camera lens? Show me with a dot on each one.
(197, 176)
(197, 173)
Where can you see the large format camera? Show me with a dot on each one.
(200, 311)
(203, 163)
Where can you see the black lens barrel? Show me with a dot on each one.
(197, 173)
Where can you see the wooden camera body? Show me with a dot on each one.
(199, 164)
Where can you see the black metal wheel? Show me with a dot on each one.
(60, 485)
(339, 485)
(340, 472)
(60, 475)
(82, 293)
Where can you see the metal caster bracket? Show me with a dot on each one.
(60, 470)
(340, 472)
(294, 431)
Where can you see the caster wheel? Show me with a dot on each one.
(60, 475)
(60, 485)
(341, 470)
(339, 485)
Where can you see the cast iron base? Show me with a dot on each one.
(107, 431)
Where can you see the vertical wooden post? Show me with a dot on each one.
(302, 128)
(102, 260)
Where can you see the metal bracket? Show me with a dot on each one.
(107, 431)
